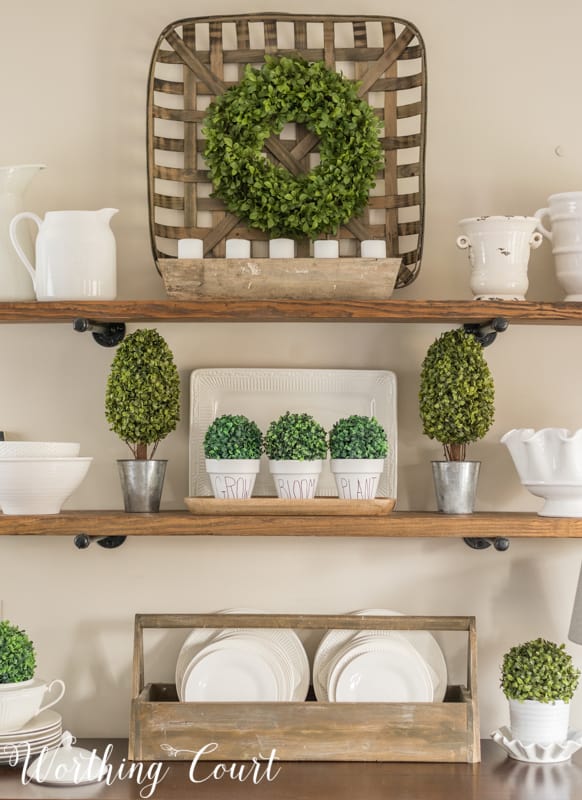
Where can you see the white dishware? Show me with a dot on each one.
(326, 248)
(265, 394)
(27, 449)
(190, 248)
(335, 640)
(39, 485)
(15, 282)
(281, 248)
(75, 254)
(44, 724)
(20, 702)
(66, 765)
(238, 248)
(564, 218)
(534, 753)
(373, 248)
(549, 465)
(379, 670)
(499, 248)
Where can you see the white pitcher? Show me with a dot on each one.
(15, 284)
(75, 255)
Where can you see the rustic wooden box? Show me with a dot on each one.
(163, 728)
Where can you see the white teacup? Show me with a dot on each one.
(20, 702)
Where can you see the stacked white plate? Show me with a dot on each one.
(236, 664)
(44, 730)
(379, 666)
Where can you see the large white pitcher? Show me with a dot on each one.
(15, 283)
(75, 255)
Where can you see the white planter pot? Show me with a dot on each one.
(20, 702)
(542, 723)
(232, 478)
(295, 480)
(357, 478)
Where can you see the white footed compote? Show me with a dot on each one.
(549, 465)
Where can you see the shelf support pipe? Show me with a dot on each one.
(83, 540)
(107, 334)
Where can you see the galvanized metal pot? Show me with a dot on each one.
(142, 482)
(455, 485)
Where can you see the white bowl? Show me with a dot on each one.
(549, 465)
(39, 449)
(39, 485)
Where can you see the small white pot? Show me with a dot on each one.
(357, 478)
(232, 478)
(20, 702)
(296, 480)
(542, 723)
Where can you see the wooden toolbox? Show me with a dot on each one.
(163, 728)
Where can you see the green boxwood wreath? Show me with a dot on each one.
(267, 196)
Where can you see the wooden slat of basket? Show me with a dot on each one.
(375, 65)
(190, 135)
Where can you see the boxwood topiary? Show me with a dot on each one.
(233, 436)
(17, 654)
(358, 437)
(295, 437)
(142, 399)
(539, 670)
(456, 393)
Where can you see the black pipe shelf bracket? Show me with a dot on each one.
(500, 543)
(486, 332)
(107, 334)
(83, 540)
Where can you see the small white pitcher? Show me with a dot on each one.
(564, 213)
(75, 255)
(499, 250)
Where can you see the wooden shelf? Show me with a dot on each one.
(400, 524)
(415, 311)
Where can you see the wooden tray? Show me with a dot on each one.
(274, 506)
(163, 728)
(281, 279)
(198, 58)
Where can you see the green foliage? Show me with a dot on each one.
(539, 670)
(295, 437)
(268, 197)
(358, 437)
(142, 399)
(456, 392)
(17, 656)
(233, 436)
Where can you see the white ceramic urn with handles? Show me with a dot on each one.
(75, 254)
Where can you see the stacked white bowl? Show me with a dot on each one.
(37, 477)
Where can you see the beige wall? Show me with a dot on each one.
(502, 97)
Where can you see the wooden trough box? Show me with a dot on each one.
(163, 728)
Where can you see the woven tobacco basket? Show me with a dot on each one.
(196, 59)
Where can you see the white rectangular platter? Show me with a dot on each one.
(264, 394)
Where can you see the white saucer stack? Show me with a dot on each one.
(44, 730)
(379, 666)
(235, 664)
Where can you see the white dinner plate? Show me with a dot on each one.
(264, 394)
(46, 720)
(380, 671)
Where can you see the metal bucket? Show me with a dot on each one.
(455, 484)
(142, 483)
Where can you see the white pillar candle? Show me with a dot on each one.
(281, 248)
(190, 248)
(373, 248)
(238, 248)
(326, 248)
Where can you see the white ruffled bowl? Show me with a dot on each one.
(549, 465)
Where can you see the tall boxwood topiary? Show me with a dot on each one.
(295, 437)
(358, 437)
(539, 670)
(17, 655)
(142, 399)
(456, 393)
(233, 436)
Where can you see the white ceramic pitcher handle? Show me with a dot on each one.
(536, 240)
(16, 244)
(540, 214)
(56, 682)
(463, 242)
